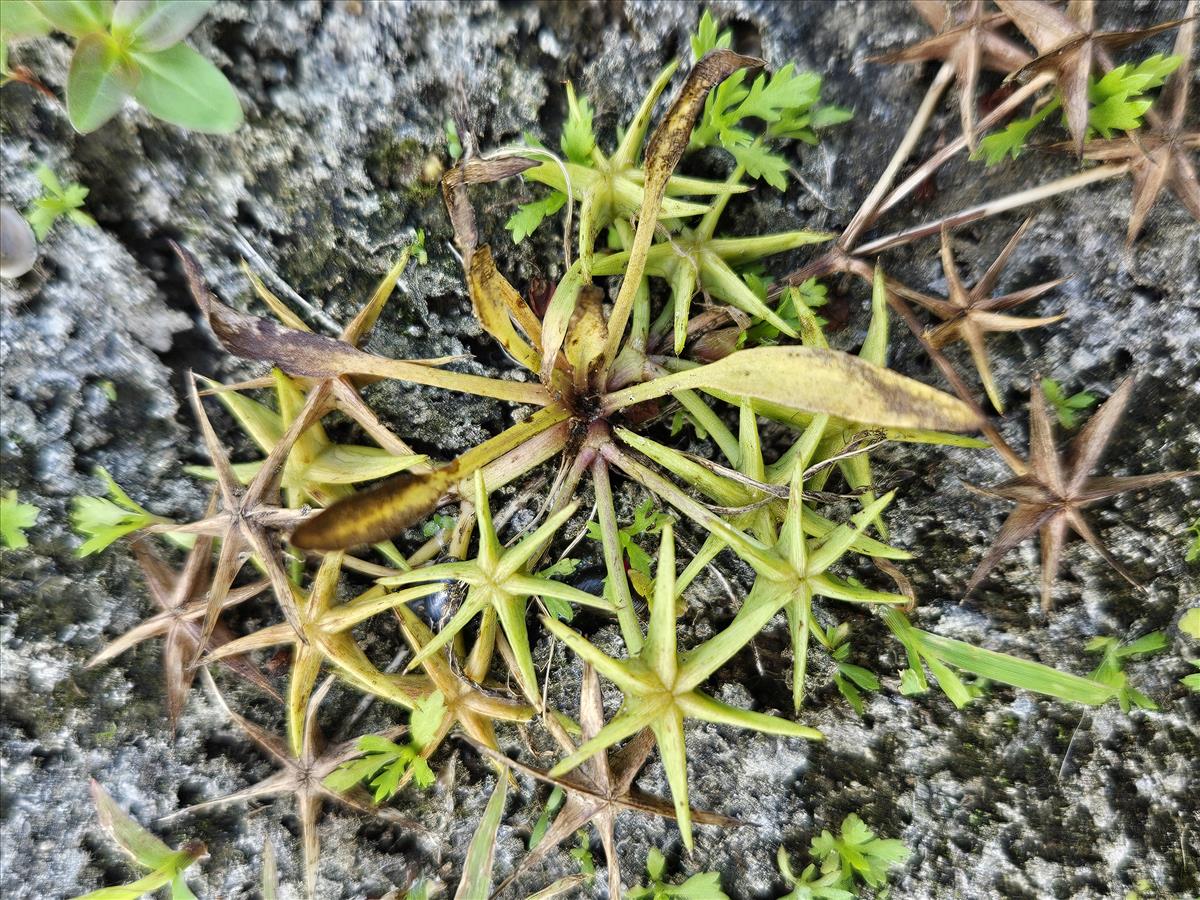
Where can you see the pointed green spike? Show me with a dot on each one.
(725, 284)
(659, 650)
(799, 616)
(750, 461)
(612, 669)
(683, 287)
(792, 545)
(701, 706)
(471, 607)
(624, 725)
(874, 348)
(842, 537)
(511, 611)
(627, 151)
(518, 556)
(765, 599)
(489, 543)
(672, 751)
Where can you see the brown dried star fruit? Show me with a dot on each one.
(1160, 157)
(182, 602)
(1051, 497)
(302, 776)
(970, 42)
(969, 314)
(601, 788)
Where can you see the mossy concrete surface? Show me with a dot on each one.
(1013, 796)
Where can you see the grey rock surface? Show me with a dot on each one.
(1014, 796)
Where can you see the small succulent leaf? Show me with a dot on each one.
(78, 18)
(477, 868)
(180, 86)
(154, 25)
(815, 380)
(101, 77)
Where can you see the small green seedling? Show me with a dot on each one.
(1111, 664)
(808, 885)
(785, 102)
(15, 518)
(103, 520)
(1193, 551)
(1066, 408)
(1116, 102)
(704, 886)
(135, 48)
(56, 202)
(553, 803)
(647, 519)
(856, 853)
(560, 609)
(582, 854)
(850, 679)
(387, 762)
(166, 866)
(453, 144)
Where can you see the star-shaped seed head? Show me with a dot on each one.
(1070, 47)
(970, 314)
(1050, 499)
(1162, 157)
(968, 39)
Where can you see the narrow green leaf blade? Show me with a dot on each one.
(477, 869)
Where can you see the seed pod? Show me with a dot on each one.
(18, 249)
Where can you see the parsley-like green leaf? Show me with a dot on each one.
(56, 202)
(1112, 662)
(856, 851)
(104, 520)
(15, 517)
(426, 717)
(1066, 408)
(761, 163)
(707, 37)
(578, 140)
(1011, 141)
(529, 216)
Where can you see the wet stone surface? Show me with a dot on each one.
(1013, 796)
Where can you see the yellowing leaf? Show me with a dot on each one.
(815, 380)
